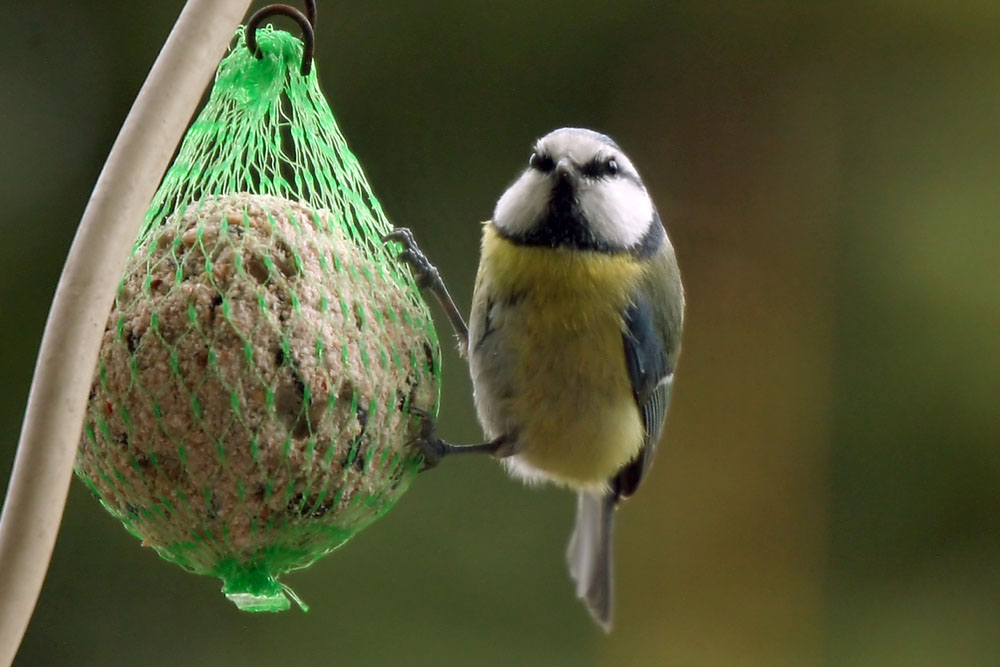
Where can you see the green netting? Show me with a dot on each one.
(251, 406)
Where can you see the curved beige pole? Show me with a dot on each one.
(40, 479)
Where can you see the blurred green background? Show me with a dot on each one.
(827, 493)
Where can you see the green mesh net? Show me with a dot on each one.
(253, 400)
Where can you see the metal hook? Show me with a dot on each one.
(306, 24)
(311, 12)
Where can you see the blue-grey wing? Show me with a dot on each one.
(651, 375)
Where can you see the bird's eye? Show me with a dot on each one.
(542, 163)
(600, 167)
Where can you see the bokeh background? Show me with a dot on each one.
(828, 492)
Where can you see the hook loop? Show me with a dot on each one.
(306, 22)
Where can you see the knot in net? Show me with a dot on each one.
(253, 400)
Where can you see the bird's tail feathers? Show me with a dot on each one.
(589, 554)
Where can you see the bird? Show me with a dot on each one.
(573, 337)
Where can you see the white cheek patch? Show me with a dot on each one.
(618, 210)
(523, 204)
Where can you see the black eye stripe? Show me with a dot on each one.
(542, 163)
(601, 167)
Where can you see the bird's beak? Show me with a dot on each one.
(564, 169)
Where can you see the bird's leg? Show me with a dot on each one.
(429, 278)
(434, 448)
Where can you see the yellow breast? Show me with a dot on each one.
(569, 397)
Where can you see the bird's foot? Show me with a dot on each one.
(434, 448)
(425, 274)
(428, 278)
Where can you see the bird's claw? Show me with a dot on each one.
(431, 447)
(427, 278)
(424, 273)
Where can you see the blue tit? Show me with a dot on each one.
(573, 337)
